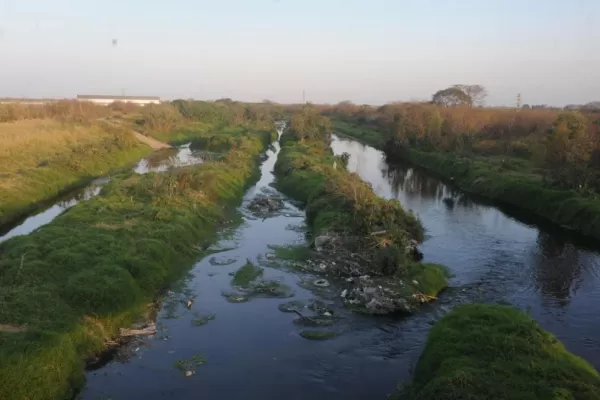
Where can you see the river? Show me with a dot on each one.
(254, 351)
(499, 255)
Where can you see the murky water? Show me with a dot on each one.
(158, 161)
(162, 160)
(254, 351)
(501, 256)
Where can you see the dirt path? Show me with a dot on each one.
(153, 143)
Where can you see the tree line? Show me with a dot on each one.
(563, 145)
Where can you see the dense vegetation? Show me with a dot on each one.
(67, 287)
(545, 161)
(340, 202)
(51, 148)
(180, 121)
(40, 158)
(481, 352)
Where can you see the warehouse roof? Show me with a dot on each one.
(100, 97)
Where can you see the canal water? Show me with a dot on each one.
(159, 161)
(252, 350)
(497, 255)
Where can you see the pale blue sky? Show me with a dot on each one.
(367, 51)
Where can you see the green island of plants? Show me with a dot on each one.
(494, 352)
(340, 203)
(67, 287)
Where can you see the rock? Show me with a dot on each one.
(315, 321)
(264, 204)
(222, 261)
(269, 289)
(203, 320)
(383, 296)
(344, 293)
(320, 307)
(321, 241)
(236, 298)
(291, 306)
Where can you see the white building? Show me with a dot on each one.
(106, 100)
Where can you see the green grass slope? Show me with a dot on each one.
(492, 352)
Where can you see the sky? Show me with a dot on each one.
(365, 51)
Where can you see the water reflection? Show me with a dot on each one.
(505, 254)
(46, 215)
(162, 160)
(557, 268)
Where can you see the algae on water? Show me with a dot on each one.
(188, 365)
(203, 320)
(297, 252)
(311, 334)
(246, 274)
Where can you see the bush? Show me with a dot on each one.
(101, 290)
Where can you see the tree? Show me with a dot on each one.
(308, 123)
(568, 150)
(476, 93)
(451, 97)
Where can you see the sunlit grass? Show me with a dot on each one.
(41, 158)
(106, 258)
(489, 352)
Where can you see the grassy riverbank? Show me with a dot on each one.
(39, 159)
(509, 180)
(497, 352)
(69, 286)
(341, 203)
(358, 131)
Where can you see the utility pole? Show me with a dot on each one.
(519, 101)
(303, 97)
